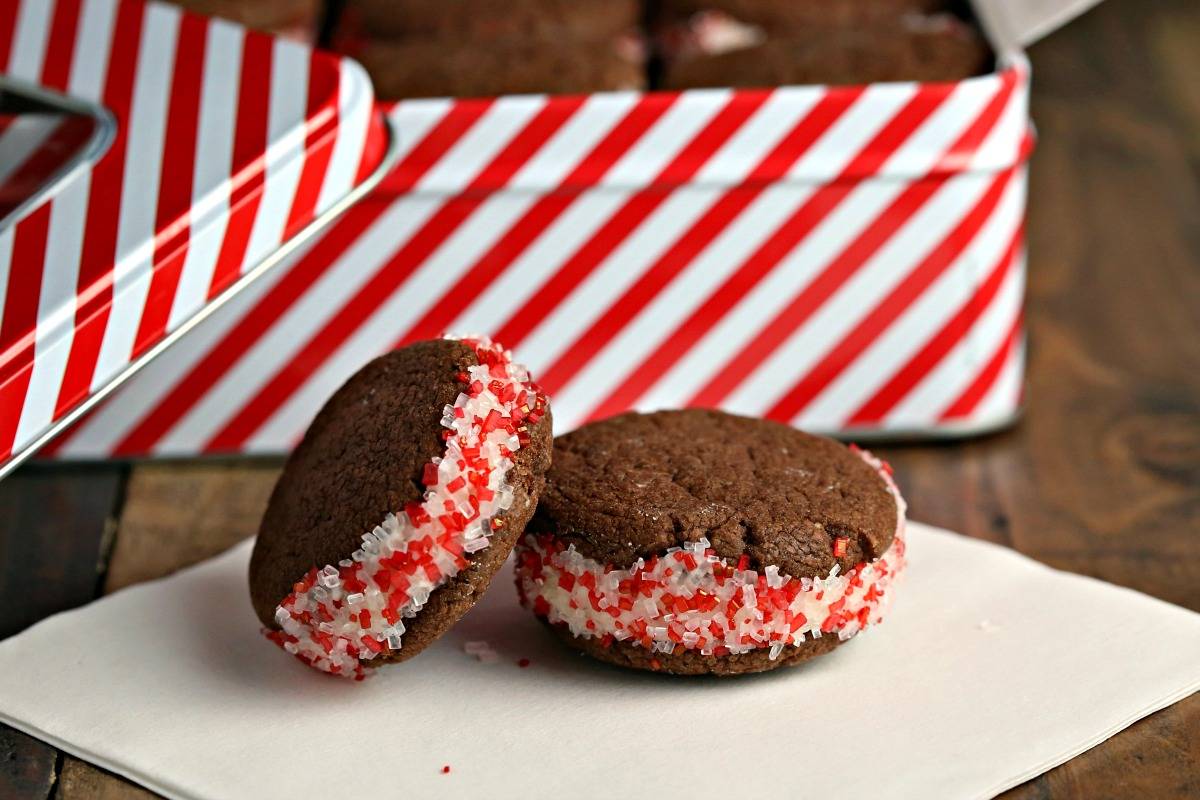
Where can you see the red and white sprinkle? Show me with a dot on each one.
(339, 616)
(691, 598)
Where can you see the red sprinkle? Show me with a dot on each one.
(524, 662)
(445, 769)
(839, 546)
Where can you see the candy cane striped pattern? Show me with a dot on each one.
(842, 259)
(226, 143)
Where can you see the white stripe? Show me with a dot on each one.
(759, 135)
(926, 146)
(1003, 399)
(564, 150)
(923, 406)
(1002, 147)
(354, 118)
(412, 121)
(99, 433)
(29, 40)
(774, 291)
(89, 66)
(23, 138)
(471, 154)
(392, 318)
(666, 138)
(56, 309)
(293, 330)
(708, 272)
(847, 137)
(574, 402)
(913, 328)
(609, 280)
(844, 140)
(211, 179)
(805, 347)
(286, 151)
(544, 257)
(139, 198)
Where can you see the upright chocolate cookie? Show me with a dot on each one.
(406, 495)
(701, 542)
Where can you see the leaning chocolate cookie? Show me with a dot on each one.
(698, 542)
(405, 497)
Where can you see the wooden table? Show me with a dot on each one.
(1102, 477)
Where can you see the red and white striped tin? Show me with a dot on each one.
(849, 260)
(220, 151)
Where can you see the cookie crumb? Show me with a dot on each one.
(482, 651)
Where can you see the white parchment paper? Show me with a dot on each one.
(991, 669)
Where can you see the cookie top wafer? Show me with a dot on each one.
(697, 542)
(406, 495)
(637, 484)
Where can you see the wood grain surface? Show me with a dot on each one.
(1102, 476)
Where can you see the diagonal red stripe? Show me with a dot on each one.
(851, 259)
(18, 326)
(514, 241)
(249, 159)
(56, 69)
(299, 278)
(699, 234)
(320, 137)
(939, 345)
(173, 215)
(461, 117)
(604, 240)
(534, 222)
(806, 132)
(966, 402)
(892, 306)
(94, 285)
(810, 214)
(8, 29)
(387, 280)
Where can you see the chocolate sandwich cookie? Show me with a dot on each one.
(698, 542)
(784, 16)
(405, 496)
(926, 49)
(484, 22)
(432, 68)
(295, 19)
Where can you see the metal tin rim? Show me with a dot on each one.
(96, 146)
(390, 156)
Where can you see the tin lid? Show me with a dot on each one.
(36, 146)
(1013, 24)
(214, 149)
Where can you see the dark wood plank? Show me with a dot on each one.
(174, 515)
(26, 766)
(178, 514)
(82, 781)
(55, 525)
